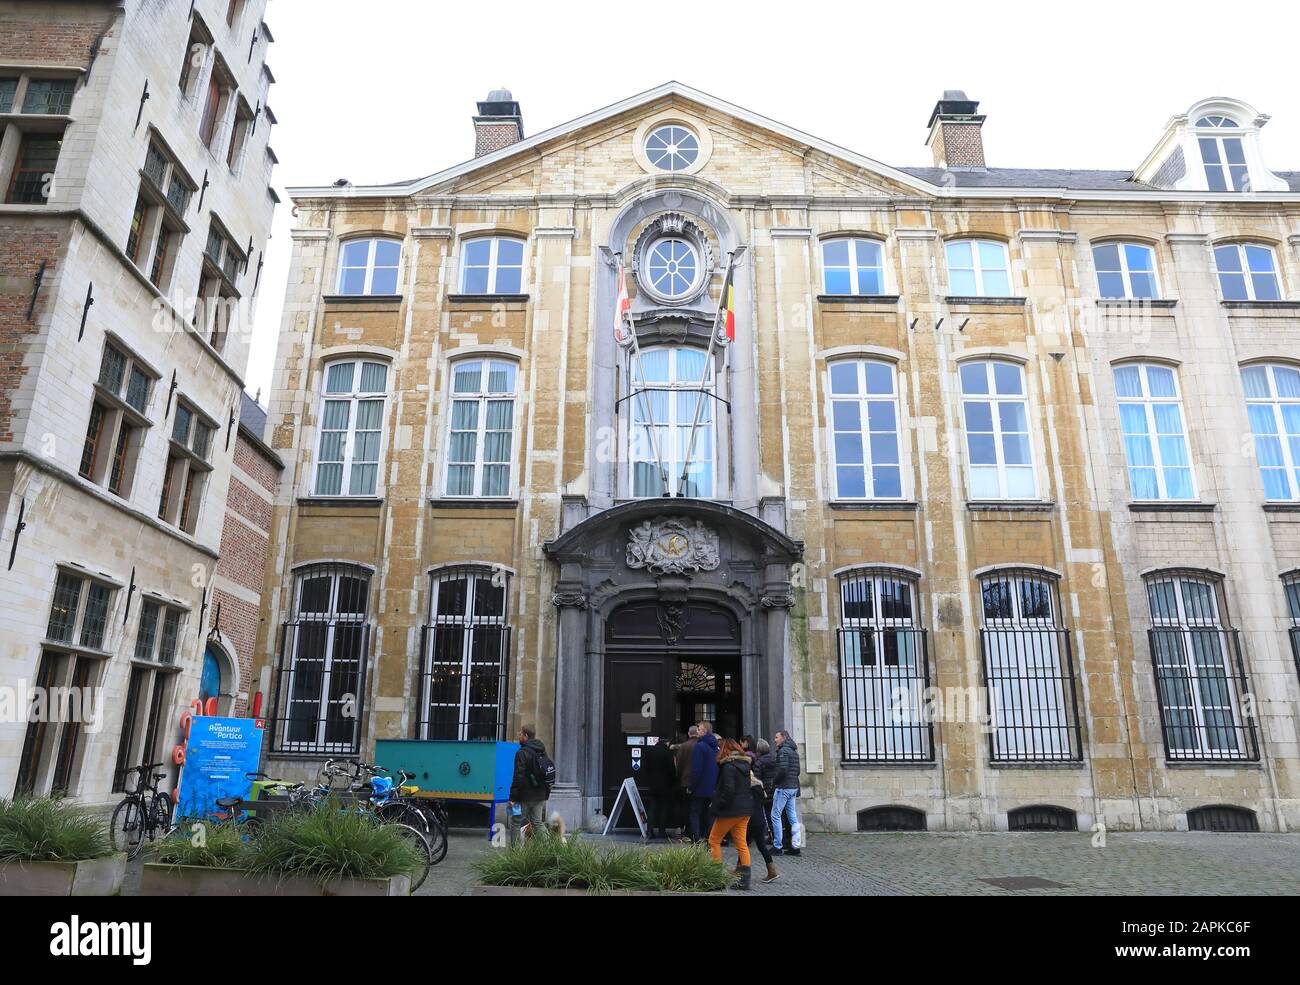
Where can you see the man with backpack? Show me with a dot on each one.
(531, 785)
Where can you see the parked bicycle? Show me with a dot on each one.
(145, 812)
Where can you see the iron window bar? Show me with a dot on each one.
(464, 674)
(1032, 697)
(319, 683)
(884, 679)
(1202, 691)
(1295, 647)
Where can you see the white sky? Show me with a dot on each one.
(384, 90)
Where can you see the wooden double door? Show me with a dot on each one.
(666, 668)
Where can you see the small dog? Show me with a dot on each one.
(558, 828)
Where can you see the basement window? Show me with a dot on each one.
(1222, 817)
(1042, 817)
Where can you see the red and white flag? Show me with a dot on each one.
(623, 331)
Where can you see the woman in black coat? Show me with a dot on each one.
(659, 769)
(758, 831)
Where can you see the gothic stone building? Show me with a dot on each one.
(994, 501)
(134, 171)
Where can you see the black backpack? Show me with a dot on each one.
(541, 771)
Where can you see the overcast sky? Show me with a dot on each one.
(384, 90)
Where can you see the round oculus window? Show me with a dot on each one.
(672, 148)
(672, 267)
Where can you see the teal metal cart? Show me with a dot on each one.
(449, 769)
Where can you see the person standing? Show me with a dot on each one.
(703, 780)
(530, 787)
(682, 751)
(660, 772)
(785, 795)
(731, 807)
(758, 830)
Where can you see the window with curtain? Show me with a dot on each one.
(492, 265)
(1247, 272)
(369, 266)
(351, 428)
(1155, 439)
(466, 655)
(864, 423)
(666, 391)
(1029, 669)
(481, 428)
(978, 268)
(1200, 683)
(852, 267)
(996, 415)
(1125, 271)
(883, 669)
(320, 680)
(1273, 406)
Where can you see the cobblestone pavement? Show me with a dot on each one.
(1138, 864)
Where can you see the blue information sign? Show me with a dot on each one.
(218, 756)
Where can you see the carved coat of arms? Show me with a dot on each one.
(672, 545)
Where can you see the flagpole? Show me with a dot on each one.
(646, 406)
(704, 376)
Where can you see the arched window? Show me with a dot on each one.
(1291, 586)
(1125, 270)
(1042, 817)
(1155, 440)
(1222, 817)
(492, 265)
(1029, 669)
(320, 680)
(351, 428)
(1247, 272)
(1273, 405)
(666, 386)
(978, 268)
(1222, 155)
(1200, 681)
(864, 424)
(883, 669)
(853, 267)
(996, 415)
(369, 266)
(481, 428)
(466, 655)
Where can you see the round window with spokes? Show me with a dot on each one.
(672, 267)
(672, 148)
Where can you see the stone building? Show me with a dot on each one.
(993, 501)
(134, 170)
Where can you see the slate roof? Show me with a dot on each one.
(1114, 181)
(252, 416)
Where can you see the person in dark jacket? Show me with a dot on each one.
(527, 795)
(758, 830)
(732, 805)
(785, 795)
(660, 773)
(704, 776)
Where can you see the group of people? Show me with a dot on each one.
(739, 789)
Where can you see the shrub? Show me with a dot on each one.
(330, 843)
(221, 847)
(35, 830)
(547, 862)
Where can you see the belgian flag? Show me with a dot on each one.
(727, 310)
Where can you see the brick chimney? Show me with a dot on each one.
(955, 138)
(498, 123)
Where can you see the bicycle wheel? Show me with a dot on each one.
(437, 841)
(160, 816)
(397, 812)
(126, 827)
(421, 846)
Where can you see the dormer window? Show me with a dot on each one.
(1223, 155)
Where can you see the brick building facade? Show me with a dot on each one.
(134, 210)
(992, 502)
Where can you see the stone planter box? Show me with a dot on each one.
(157, 879)
(91, 877)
